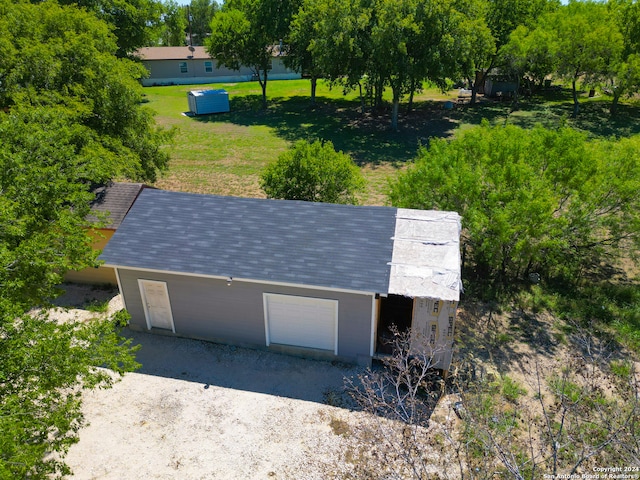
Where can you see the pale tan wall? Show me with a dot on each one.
(100, 275)
(171, 69)
(433, 325)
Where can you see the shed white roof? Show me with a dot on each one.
(426, 254)
(205, 93)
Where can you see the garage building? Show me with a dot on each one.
(314, 279)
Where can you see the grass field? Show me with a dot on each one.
(225, 153)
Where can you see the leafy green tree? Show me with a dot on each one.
(626, 73)
(530, 54)
(135, 22)
(244, 32)
(48, 164)
(416, 41)
(64, 57)
(413, 41)
(302, 35)
(502, 18)
(70, 118)
(588, 43)
(396, 44)
(477, 45)
(202, 12)
(627, 15)
(44, 366)
(174, 24)
(340, 43)
(536, 201)
(313, 172)
(626, 80)
(234, 43)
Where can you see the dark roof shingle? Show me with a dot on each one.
(292, 242)
(115, 199)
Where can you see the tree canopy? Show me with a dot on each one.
(134, 22)
(57, 56)
(173, 27)
(502, 18)
(544, 201)
(387, 44)
(301, 36)
(244, 32)
(587, 43)
(71, 117)
(202, 12)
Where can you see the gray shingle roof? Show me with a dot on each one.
(115, 199)
(315, 244)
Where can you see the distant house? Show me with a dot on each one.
(111, 204)
(314, 279)
(193, 65)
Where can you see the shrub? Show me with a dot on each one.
(314, 172)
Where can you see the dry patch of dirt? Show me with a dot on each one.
(197, 410)
(216, 183)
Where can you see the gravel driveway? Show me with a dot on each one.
(197, 410)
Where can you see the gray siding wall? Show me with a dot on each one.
(168, 71)
(209, 309)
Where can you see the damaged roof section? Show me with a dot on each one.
(426, 255)
(114, 200)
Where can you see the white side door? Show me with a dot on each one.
(157, 308)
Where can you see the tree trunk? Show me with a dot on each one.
(394, 110)
(614, 105)
(362, 107)
(413, 88)
(379, 90)
(576, 105)
(314, 85)
(474, 91)
(263, 84)
(514, 103)
(474, 84)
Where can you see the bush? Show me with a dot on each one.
(314, 172)
(534, 204)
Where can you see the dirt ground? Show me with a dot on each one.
(197, 410)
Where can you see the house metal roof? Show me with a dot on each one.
(114, 199)
(172, 53)
(358, 248)
(185, 53)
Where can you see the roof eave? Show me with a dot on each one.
(244, 280)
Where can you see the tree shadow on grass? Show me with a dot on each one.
(369, 139)
(366, 137)
(553, 109)
(594, 118)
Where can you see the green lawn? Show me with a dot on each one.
(225, 153)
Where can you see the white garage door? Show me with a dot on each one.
(301, 321)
